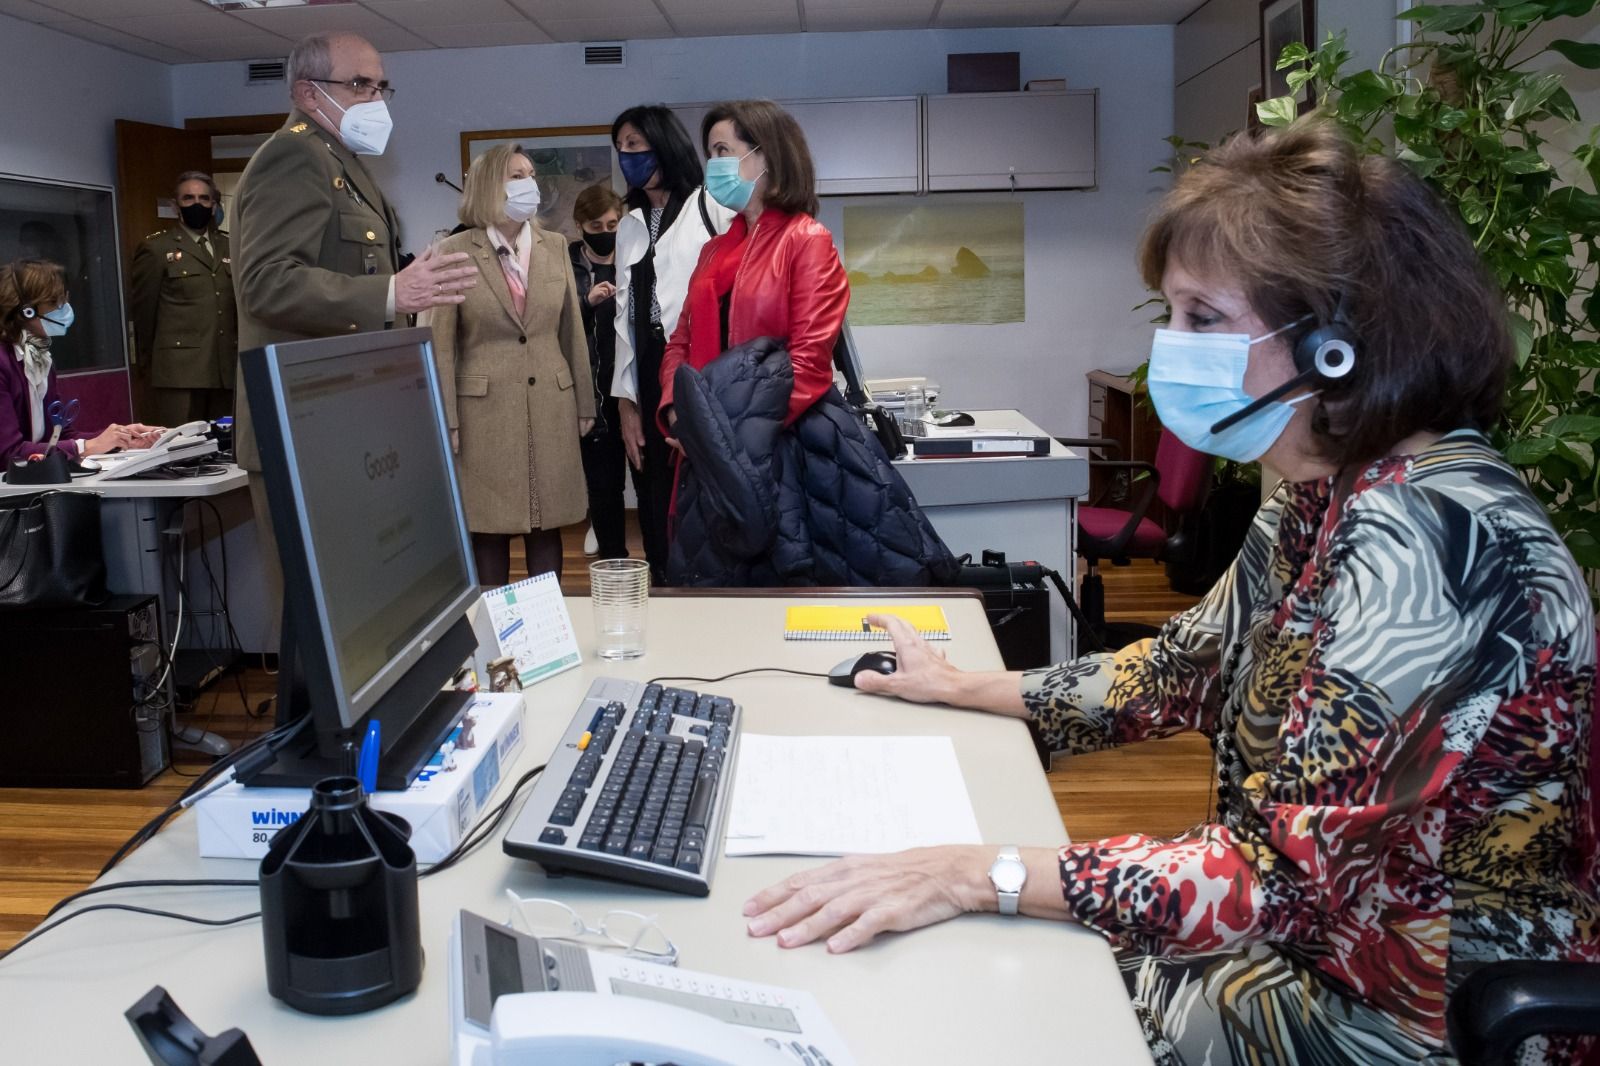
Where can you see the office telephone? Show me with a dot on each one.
(188, 441)
(520, 1000)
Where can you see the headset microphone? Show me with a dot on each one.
(1327, 353)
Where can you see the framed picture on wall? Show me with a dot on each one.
(566, 160)
(1285, 22)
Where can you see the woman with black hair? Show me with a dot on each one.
(658, 244)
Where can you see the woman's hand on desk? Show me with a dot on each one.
(924, 676)
(851, 901)
(114, 436)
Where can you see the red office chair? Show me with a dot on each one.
(1179, 478)
(1500, 1005)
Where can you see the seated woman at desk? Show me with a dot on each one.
(1396, 673)
(33, 312)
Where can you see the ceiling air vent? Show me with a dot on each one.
(258, 71)
(602, 55)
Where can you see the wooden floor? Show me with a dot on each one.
(54, 841)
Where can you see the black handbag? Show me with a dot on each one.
(50, 551)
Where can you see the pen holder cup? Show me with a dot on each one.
(339, 905)
(53, 469)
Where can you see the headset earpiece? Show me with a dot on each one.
(1329, 351)
(28, 312)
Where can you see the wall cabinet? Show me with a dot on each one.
(957, 143)
(1011, 141)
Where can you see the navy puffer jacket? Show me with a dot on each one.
(817, 503)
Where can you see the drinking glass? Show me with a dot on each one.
(620, 591)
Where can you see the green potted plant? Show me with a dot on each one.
(1460, 107)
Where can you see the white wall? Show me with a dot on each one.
(59, 96)
(1081, 283)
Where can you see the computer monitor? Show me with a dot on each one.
(377, 561)
(848, 359)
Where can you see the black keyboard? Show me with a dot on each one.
(637, 790)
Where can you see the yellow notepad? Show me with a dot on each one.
(849, 621)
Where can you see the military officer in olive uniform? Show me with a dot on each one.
(317, 244)
(184, 324)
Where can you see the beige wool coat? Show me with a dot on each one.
(515, 387)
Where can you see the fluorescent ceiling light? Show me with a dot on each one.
(247, 5)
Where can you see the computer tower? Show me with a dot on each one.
(1019, 616)
(80, 709)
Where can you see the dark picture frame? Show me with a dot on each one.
(1282, 23)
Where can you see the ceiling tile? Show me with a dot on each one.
(241, 46)
(617, 28)
(1130, 12)
(415, 14)
(105, 9)
(395, 39)
(840, 19)
(27, 9)
(735, 23)
(541, 10)
(971, 14)
(296, 22)
(196, 25)
(484, 35)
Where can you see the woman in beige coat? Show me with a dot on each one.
(514, 368)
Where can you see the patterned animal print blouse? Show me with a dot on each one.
(1398, 686)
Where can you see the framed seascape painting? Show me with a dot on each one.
(1285, 22)
(566, 160)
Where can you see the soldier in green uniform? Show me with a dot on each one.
(318, 244)
(184, 324)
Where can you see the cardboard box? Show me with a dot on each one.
(441, 805)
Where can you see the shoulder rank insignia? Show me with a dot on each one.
(299, 127)
(226, 261)
(157, 233)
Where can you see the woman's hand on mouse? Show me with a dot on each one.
(922, 674)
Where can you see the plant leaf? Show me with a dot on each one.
(1578, 53)
(1568, 8)
(1279, 111)
(1530, 451)
(1450, 18)
(1584, 428)
(1525, 161)
(1522, 336)
(1368, 91)
(1584, 548)
(1532, 95)
(1519, 14)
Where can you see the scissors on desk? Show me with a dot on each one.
(61, 415)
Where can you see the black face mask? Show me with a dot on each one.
(196, 216)
(601, 244)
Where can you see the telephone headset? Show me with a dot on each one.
(1324, 353)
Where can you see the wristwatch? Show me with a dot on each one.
(1008, 874)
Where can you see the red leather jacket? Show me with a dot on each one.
(790, 284)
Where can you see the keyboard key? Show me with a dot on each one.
(589, 843)
(705, 787)
(640, 851)
(688, 860)
(616, 844)
(564, 815)
(552, 835)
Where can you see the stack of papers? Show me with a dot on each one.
(847, 796)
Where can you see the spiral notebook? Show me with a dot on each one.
(849, 622)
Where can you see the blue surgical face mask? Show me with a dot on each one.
(637, 167)
(1197, 379)
(725, 186)
(57, 322)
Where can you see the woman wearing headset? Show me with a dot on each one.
(34, 311)
(1396, 672)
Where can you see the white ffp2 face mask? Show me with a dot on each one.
(522, 199)
(364, 128)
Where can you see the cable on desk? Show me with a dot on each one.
(164, 882)
(486, 825)
(737, 673)
(196, 919)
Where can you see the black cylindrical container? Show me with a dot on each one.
(339, 905)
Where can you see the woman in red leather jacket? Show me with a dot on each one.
(775, 273)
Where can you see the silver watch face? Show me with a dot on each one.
(1008, 874)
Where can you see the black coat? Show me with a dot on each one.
(817, 503)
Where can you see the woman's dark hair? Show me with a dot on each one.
(676, 159)
(791, 176)
(1304, 221)
(28, 283)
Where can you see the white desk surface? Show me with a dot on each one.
(1062, 474)
(145, 488)
(976, 989)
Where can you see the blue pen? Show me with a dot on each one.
(367, 764)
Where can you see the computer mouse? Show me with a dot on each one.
(845, 673)
(950, 418)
